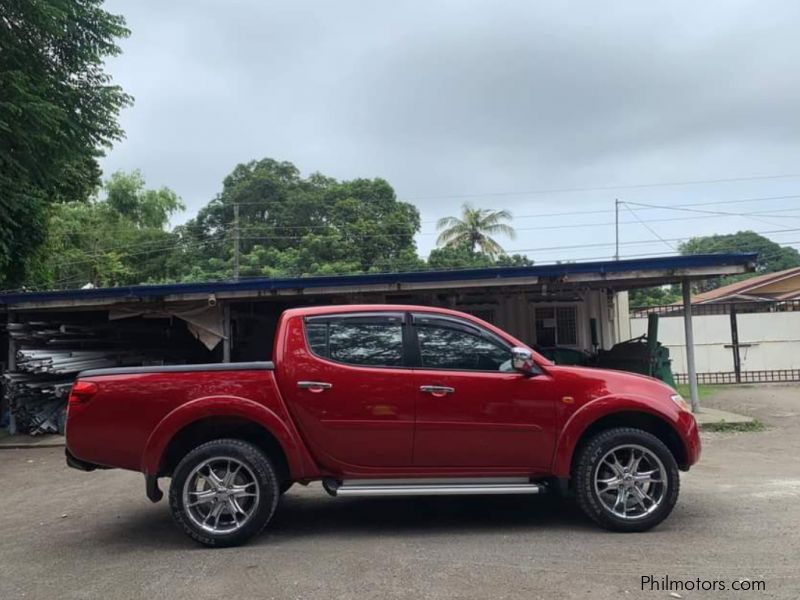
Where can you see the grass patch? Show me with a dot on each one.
(754, 425)
(705, 391)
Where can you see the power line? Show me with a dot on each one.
(650, 229)
(604, 188)
(630, 243)
(224, 226)
(219, 236)
(725, 213)
(266, 201)
(765, 256)
(569, 247)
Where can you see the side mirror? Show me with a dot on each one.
(522, 361)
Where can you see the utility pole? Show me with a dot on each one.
(236, 241)
(616, 228)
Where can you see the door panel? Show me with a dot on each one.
(473, 410)
(489, 420)
(364, 414)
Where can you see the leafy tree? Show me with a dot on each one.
(457, 257)
(291, 225)
(460, 256)
(474, 228)
(126, 195)
(117, 240)
(58, 111)
(771, 255)
(655, 296)
(513, 260)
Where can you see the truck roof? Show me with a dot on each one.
(356, 308)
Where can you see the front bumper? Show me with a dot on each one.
(690, 434)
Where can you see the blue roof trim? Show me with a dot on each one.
(559, 270)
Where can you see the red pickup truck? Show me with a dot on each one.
(384, 400)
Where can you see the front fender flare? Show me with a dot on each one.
(596, 409)
(221, 406)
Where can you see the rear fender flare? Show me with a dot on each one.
(221, 406)
(591, 412)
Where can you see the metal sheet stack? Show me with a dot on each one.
(47, 360)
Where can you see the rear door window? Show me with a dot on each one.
(364, 340)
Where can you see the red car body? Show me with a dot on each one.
(371, 422)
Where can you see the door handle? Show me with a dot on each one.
(437, 390)
(314, 386)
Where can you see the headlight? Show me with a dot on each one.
(678, 399)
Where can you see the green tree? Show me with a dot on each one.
(294, 225)
(474, 228)
(771, 255)
(460, 256)
(58, 112)
(126, 195)
(119, 239)
(655, 296)
(457, 257)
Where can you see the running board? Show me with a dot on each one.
(431, 487)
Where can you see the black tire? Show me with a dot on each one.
(266, 480)
(588, 463)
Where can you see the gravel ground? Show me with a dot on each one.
(67, 534)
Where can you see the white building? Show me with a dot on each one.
(754, 322)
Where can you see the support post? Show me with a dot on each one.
(689, 335)
(236, 238)
(737, 361)
(11, 365)
(616, 228)
(227, 341)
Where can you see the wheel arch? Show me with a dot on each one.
(584, 424)
(222, 427)
(211, 418)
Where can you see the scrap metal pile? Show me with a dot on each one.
(47, 360)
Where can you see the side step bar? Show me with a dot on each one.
(421, 487)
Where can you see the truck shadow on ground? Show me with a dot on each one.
(312, 517)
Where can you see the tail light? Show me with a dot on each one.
(82, 391)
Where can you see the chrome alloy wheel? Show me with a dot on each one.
(220, 495)
(630, 481)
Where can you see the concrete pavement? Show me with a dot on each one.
(71, 535)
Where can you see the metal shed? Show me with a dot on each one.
(235, 320)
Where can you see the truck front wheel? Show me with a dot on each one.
(626, 479)
(223, 492)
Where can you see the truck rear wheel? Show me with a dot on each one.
(223, 492)
(626, 479)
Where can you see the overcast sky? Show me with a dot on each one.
(483, 99)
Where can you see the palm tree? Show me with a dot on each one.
(474, 228)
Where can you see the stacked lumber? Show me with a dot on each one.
(49, 356)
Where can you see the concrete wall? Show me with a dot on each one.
(768, 341)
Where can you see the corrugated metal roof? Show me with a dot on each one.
(601, 269)
(749, 286)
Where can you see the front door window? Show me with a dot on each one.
(445, 346)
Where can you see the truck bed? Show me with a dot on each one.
(131, 404)
(242, 366)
